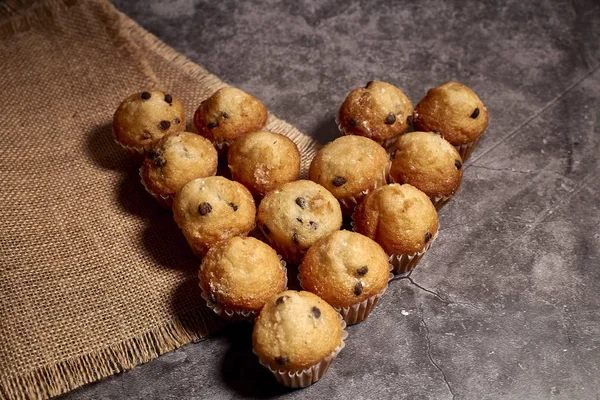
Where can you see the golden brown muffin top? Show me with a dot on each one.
(143, 118)
(208, 210)
(401, 218)
(229, 114)
(299, 213)
(454, 111)
(241, 274)
(263, 161)
(175, 160)
(349, 165)
(378, 111)
(345, 268)
(296, 330)
(428, 162)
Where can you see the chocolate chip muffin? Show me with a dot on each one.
(229, 114)
(143, 118)
(263, 161)
(347, 270)
(454, 111)
(175, 160)
(239, 275)
(402, 219)
(349, 167)
(428, 162)
(379, 111)
(296, 215)
(296, 336)
(209, 210)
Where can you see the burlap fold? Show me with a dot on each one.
(95, 277)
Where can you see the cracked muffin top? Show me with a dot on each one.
(229, 114)
(379, 111)
(296, 330)
(454, 111)
(263, 161)
(143, 118)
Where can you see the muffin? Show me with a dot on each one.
(174, 161)
(349, 167)
(454, 111)
(428, 162)
(229, 114)
(347, 270)
(296, 336)
(143, 118)
(209, 210)
(296, 215)
(402, 220)
(239, 275)
(379, 111)
(263, 161)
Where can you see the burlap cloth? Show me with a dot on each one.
(94, 277)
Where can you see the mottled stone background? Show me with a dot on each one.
(506, 303)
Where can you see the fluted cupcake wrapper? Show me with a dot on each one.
(305, 377)
(465, 150)
(163, 201)
(293, 255)
(238, 315)
(403, 264)
(439, 201)
(349, 203)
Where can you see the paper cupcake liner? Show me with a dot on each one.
(200, 252)
(238, 315)
(465, 150)
(438, 201)
(403, 264)
(163, 201)
(134, 152)
(349, 203)
(305, 377)
(293, 255)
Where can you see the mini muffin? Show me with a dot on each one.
(428, 162)
(454, 111)
(229, 114)
(379, 111)
(347, 270)
(296, 336)
(239, 275)
(209, 210)
(174, 161)
(263, 161)
(143, 118)
(402, 219)
(349, 167)
(296, 215)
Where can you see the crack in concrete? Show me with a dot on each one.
(437, 295)
(442, 299)
(431, 357)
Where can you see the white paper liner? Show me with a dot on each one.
(465, 150)
(349, 203)
(306, 377)
(163, 201)
(238, 315)
(403, 264)
(293, 255)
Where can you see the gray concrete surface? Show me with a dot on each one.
(506, 303)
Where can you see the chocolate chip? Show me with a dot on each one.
(177, 121)
(358, 288)
(475, 113)
(281, 300)
(266, 230)
(168, 98)
(316, 312)
(152, 154)
(225, 115)
(281, 360)
(457, 164)
(299, 220)
(390, 119)
(204, 208)
(213, 124)
(295, 237)
(234, 206)
(427, 237)
(146, 135)
(301, 202)
(362, 271)
(313, 225)
(353, 121)
(164, 125)
(338, 181)
(146, 95)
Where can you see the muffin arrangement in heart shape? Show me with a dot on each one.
(251, 231)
